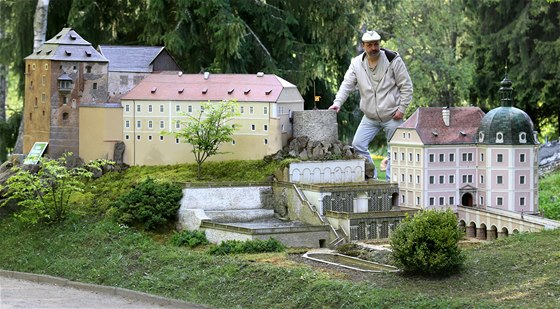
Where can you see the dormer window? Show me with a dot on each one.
(523, 137)
(499, 137)
(480, 137)
(64, 85)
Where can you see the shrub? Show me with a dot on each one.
(190, 239)
(150, 204)
(427, 243)
(44, 196)
(248, 246)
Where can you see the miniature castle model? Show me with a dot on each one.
(86, 101)
(460, 156)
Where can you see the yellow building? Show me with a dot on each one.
(154, 106)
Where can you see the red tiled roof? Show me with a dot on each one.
(462, 129)
(217, 87)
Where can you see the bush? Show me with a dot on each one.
(190, 239)
(427, 243)
(150, 204)
(248, 246)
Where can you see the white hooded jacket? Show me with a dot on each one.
(394, 90)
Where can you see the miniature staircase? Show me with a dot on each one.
(239, 213)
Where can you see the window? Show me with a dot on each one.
(43, 80)
(150, 108)
(202, 109)
(266, 141)
(500, 201)
(161, 137)
(467, 156)
(161, 124)
(139, 124)
(451, 200)
(499, 137)
(431, 157)
(395, 156)
(265, 127)
(150, 124)
(177, 108)
(432, 180)
(417, 157)
(177, 141)
(138, 137)
(417, 179)
(403, 135)
(43, 97)
(88, 69)
(233, 142)
(451, 178)
(432, 201)
(94, 86)
(402, 198)
(265, 110)
(500, 158)
(177, 125)
(64, 100)
(402, 177)
(441, 201)
(441, 157)
(127, 124)
(481, 157)
(161, 108)
(241, 109)
(417, 200)
(499, 180)
(467, 178)
(521, 201)
(410, 156)
(402, 156)
(523, 137)
(481, 179)
(127, 137)
(521, 157)
(482, 200)
(189, 108)
(410, 178)
(252, 127)
(149, 137)
(251, 111)
(138, 108)
(441, 179)
(451, 157)
(522, 180)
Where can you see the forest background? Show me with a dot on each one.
(457, 51)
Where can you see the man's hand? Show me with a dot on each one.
(334, 108)
(398, 115)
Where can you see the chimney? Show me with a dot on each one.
(445, 113)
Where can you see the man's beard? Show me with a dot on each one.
(374, 54)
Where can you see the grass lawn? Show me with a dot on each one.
(521, 271)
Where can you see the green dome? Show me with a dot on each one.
(506, 125)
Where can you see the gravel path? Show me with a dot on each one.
(20, 290)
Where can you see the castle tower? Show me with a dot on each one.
(61, 75)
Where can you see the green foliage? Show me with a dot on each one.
(150, 204)
(427, 243)
(44, 196)
(248, 246)
(8, 134)
(208, 129)
(190, 239)
(549, 196)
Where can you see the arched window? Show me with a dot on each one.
(523, 137)
(499, 137)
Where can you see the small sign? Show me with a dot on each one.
(317, 98)
(36, 152)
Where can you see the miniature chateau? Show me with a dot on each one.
(94, 101)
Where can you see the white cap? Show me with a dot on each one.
(371, 36)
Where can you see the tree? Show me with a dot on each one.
(208, 129)
(428, 243)
(44, 196)
(525, 36)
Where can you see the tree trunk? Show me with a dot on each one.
(39, 32)
(3, 90)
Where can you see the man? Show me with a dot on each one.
(385, 92)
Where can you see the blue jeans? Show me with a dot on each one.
(366, 132)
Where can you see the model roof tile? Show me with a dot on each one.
(195, 87)
(429, 123)
(131, 58)
(67, 45)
